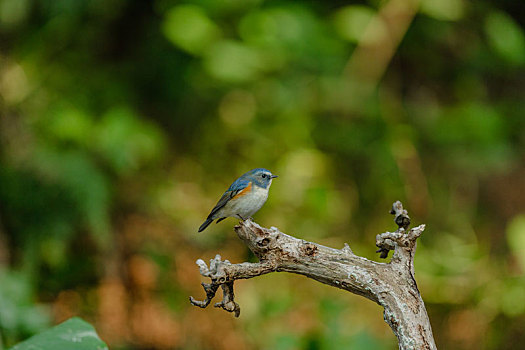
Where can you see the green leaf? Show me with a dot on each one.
(126, 141)
(188, 27)
(351, 21)
(74, 334)
(445, 10)
(506, 37)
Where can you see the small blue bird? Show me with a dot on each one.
(245, 196)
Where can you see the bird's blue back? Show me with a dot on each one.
(239, 184)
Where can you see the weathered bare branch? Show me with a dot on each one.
(391, 285)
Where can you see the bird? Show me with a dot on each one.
(243, 198)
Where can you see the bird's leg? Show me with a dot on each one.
(240, 217)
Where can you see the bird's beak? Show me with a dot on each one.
(274, 176)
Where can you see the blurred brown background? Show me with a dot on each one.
(122, 122)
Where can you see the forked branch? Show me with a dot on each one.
(391, 285)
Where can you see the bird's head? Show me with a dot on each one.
(260, 177)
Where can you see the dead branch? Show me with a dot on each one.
(391, 285)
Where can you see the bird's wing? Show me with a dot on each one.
(238, 188)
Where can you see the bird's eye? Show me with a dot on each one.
(263, 176)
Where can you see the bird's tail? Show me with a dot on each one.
(205, 224)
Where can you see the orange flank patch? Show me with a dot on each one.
(244, 191)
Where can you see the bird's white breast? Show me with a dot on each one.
(248, 204)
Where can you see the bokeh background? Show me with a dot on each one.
(122, 122)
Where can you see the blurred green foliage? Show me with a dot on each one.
(20, 316)
(121, 123)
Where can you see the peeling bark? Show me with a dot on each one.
(391, 285)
